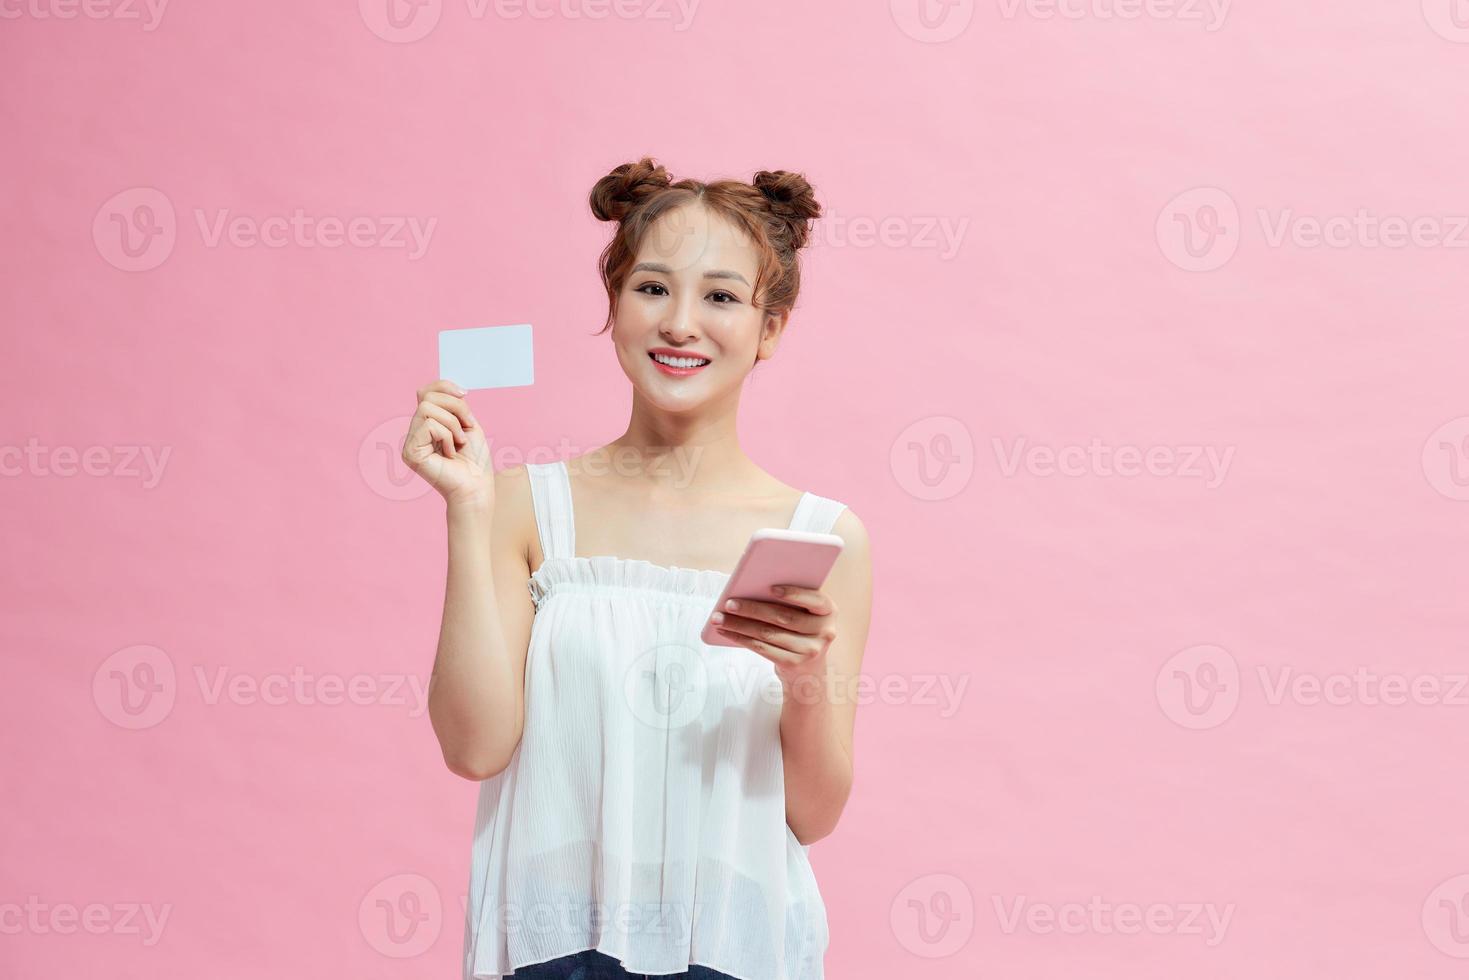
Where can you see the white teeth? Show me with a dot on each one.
(679, 362)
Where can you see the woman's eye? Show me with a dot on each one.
(720, 297)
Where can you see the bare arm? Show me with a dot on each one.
(819, 714)
(476, 692)
(817, 651)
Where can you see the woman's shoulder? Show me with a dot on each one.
(515, 508)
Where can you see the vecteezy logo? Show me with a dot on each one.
(401, 21)
(1446, 917)
(1199, 687)
(1446, 459)
(1448, 18)
(135, 229)
(933, 459)
(666, 686)
(401, 916)
(933, 916)
(1199, 230)
(932, 21)
(380, 461)
(135, 687)
(680, 237)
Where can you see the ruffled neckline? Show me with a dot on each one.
(596, 571)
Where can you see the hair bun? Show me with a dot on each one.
(792, 202)
(620, 191)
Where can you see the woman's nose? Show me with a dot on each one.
(680, 324)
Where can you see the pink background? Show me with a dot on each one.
(1117, 641)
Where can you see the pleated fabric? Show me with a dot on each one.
(643, 812)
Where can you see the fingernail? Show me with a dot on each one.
(717, 618)
(460, 391)
(731, 605)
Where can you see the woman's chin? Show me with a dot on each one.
(673, 398)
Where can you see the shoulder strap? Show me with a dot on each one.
(816, 513)
(550, 490)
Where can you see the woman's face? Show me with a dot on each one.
(691, 291)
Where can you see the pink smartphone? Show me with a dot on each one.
(775, 556)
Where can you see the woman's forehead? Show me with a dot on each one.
(693, 237)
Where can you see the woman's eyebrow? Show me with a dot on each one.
(725, 274)
(711, 274)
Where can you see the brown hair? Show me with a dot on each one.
(774, 210)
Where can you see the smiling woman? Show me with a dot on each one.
(665, 227)
(647, 799)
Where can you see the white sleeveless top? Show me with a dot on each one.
(643, 812)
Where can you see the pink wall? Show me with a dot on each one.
(1138, 343)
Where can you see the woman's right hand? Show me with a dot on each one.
(448, 447)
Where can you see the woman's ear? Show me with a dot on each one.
(612, 314)
(770, 333)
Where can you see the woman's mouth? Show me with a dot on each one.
(678, 367)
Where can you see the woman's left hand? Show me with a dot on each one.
(794, 638)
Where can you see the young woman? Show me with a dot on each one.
(647, 799)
